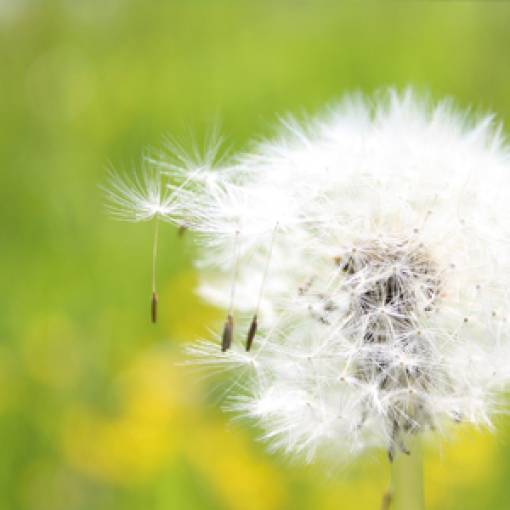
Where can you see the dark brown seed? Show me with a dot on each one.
(228, 333)
(182, 230)
(386, 501)
(154, 307)
(251, 332)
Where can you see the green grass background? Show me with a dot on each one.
(94, 412)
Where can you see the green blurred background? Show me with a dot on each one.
(94, 411)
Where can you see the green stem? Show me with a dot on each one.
(407, 478)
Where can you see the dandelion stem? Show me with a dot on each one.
(406, 492)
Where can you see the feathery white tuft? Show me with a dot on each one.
(142, 196)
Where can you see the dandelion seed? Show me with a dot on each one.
(143, 196)
(228, 333)
(251, 333)
(154, 307)
(228, 329)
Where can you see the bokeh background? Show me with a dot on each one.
(95, 411)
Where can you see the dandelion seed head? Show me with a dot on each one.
(386, 221)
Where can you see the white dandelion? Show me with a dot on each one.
(370, 248)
